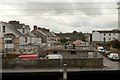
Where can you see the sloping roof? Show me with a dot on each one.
(107, 31)
(12, 28)
(78, 42)
(37, 33)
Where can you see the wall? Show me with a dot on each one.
(1, 44)
(107, 36)
(46, 63)
(70, 54)
(96, 36)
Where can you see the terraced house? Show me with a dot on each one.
(13, 35)
(48, 38)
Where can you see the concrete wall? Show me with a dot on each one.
(46, 63)
(71, 54)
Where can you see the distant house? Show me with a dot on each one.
(13, 34)
(105, 35)
(65, 35)
(48, 38)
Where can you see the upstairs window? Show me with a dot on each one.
(25, 39)
(109, 34)
(23, 30)
(4, 29)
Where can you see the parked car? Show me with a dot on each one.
(54, 56)
(24, 61)
(28, 57)
(113, 56)
(101, 49)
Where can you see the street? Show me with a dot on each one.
(111, 65)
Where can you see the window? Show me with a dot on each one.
(8, 41)
(109, 38)
(23, 30)
(54, 52)
(104, 34)
(73, 52)
(113, 38)
(109, 34)
(25, 39)
(4, 29)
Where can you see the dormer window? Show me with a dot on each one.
(4, 29)
(23, 30)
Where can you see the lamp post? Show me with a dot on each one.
(65, 72)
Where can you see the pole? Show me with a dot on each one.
(65, 72)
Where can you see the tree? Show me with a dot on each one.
(63, 40)
(116, 43)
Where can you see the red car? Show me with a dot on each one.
(28, 57)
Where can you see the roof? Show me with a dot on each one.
(37, 33)
(78, 42)
(108, 31)
(12, 28)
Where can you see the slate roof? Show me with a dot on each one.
(108, 31)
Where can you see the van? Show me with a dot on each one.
(54, 56)
(113, 56)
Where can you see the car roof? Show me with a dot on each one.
(113, 54)
(22, 56)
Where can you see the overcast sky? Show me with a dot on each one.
(62, 15)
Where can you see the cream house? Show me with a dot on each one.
(13, 35)
(105, 35)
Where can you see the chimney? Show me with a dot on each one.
(35, 27)
(14, 22)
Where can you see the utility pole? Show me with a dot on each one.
(118, 3)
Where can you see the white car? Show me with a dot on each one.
(113, 56)
(101, 49)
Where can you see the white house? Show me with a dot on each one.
(105, 35)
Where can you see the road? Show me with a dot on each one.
(111, 65)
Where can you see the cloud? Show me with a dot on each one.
(64, 17)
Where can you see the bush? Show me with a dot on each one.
(116, 43)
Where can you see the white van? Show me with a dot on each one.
(113, 56)
(54, 56)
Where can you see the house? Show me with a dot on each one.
(105, 35)
(13, 35)
(65, 35)
(48, 38)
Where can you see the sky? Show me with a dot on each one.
(62, 15)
